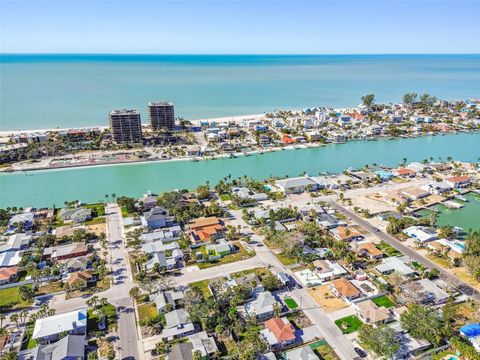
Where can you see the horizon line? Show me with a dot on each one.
(233, 54)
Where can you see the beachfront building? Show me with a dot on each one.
(161, 115)
(126, 126)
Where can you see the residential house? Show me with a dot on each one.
(68, 251)
(148, 202)
(302, 353)
(262, 307)
(203, 230)
(204, 344)
(369, 250)
(25, 218)
(458, 182)
(344, 233)
(404, 172)
(165, 299)
(371, 313)
(414, 193)
(329, 221)
(421, 234)
(296, 185)
(395, 264)
(219, 249)
(247, 194)
(251, 281)
(159, 258)
(10, 258)
(278, 333)
(436, 188)
(80, 279)
(75, 215)
(178, 325)
(15, 242)
(50, 328)
(8, 274)
(70, 347)
(67, 230)
(428, 292)
(76, 264)
(156, 218)
(344, 289)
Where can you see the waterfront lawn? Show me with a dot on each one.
(146, 312)
(10, 299)
(203, 287)
(348, 324)
(240, 254)
(384, 301)
(292, 304)
(388, 249)
(97, 209)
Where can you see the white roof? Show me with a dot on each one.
(396, 264)
(57, 324)
(10, 258)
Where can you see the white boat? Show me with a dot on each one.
(452, 204)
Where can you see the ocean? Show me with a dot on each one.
(49, 91)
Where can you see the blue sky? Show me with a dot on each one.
(239, 26)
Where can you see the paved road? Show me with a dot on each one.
(460, 285)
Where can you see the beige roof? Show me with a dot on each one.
(372, 312)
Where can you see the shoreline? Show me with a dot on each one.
(7, 171)
(235, 118)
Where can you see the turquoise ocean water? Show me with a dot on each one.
(48, 91)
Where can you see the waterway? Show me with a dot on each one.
(45, 188)
(467, 217)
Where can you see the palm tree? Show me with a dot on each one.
(2, 317)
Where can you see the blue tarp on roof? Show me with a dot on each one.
(470, 330)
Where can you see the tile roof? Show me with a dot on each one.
(345, 287)
(281, 328)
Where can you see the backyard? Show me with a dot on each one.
(384, 301)
(10, 299)
(239, 254)
(146, 312)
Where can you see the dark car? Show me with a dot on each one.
(360, 352)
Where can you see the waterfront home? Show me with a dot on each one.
(25, 218)
(8, 274)
(302, 353)
(15, 242)
(50, 328)
(68, 251)
(404, 172)
(67, 348)
(156, 218)
(384, 175)
(178, 325)
(296, 185)
(247, 194)
(344, 289)
(458, 182)
(147, 202)
(278, 333)
(344, 233)
(421, 234)
(371, 313)
(418, 167)
(262, 307)
(453, 249)
(165, 299)
(436, 188)
(203, 230)
(10, 258)
(414, 193)
(75, 215)
(395, 264)
(472, 333)
(369, 250)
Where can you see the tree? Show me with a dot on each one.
(197, 355)
(368, 100)
(381, 340)
(423, 323)
(134, 292)
(271, 282)
(26, 293)
(445, 232)
(427, 101)
(409, 98)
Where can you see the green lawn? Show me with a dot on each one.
(10, 299)
(325, 352)
(93, 319)
(27, 341)
(384, 301)
(388, 249)
(292, 304)
(96, 220)
(285, 260)
(225, 197)
(348, 324)
(260, 272)
(147, 311)
(240, 254)
(97, 209)
(203, 286)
